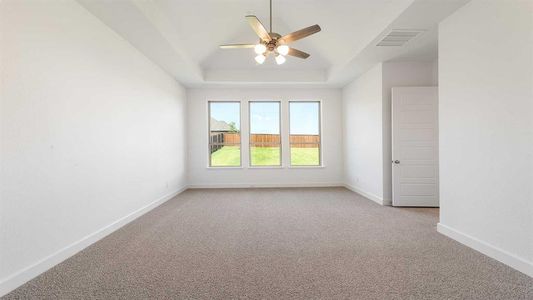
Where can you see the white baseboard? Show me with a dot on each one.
(498, 254)
(261, 185)
(20, 277)
(365, 194)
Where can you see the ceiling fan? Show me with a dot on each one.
(273, 43)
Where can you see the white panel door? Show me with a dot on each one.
(415, 146)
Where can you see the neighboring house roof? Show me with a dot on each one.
(217, 125)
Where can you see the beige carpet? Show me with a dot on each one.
(279, 244)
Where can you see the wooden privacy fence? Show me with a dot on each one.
(232, 138)
(304, 140)
(265, 140)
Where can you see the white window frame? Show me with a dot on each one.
(209, 164)
(320, 150)
(279, 102)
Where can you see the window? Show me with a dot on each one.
(224, 134)
(265, 134)
(304, 133)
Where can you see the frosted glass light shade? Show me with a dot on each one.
(260, 59)
(283, 49)
(260, 48)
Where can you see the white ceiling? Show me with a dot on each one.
(182, 36)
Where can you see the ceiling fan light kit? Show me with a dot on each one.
(280, 59)
(273, 43)
(260, 48)
(283, 49)
(260, 59)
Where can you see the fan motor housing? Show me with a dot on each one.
(271, 45)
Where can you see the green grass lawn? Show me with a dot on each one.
(229, 156)
(305, 156)
(265, 156)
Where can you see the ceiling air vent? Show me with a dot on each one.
(398, 37)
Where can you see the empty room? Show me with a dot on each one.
(266, 149)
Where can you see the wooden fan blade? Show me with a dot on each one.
(236, 46)
(298, 53)
(258, 28)
(300, 34)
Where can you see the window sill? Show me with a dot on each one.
(224, 168)
(266, 167)
(307, 167)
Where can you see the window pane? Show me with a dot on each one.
(265, 138)
(225, 123)
(305, 154)
(304, 118)
(265, 155)
(225, 155)
(264, 117)
(224, 134)
(305, 133)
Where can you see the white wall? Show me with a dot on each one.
(91, 131)
(367, 124)
(397, 74)
(362, 131)
(202, 176)
(486, 129)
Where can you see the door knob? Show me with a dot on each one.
(396, 161)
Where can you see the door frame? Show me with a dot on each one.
(394, 155)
